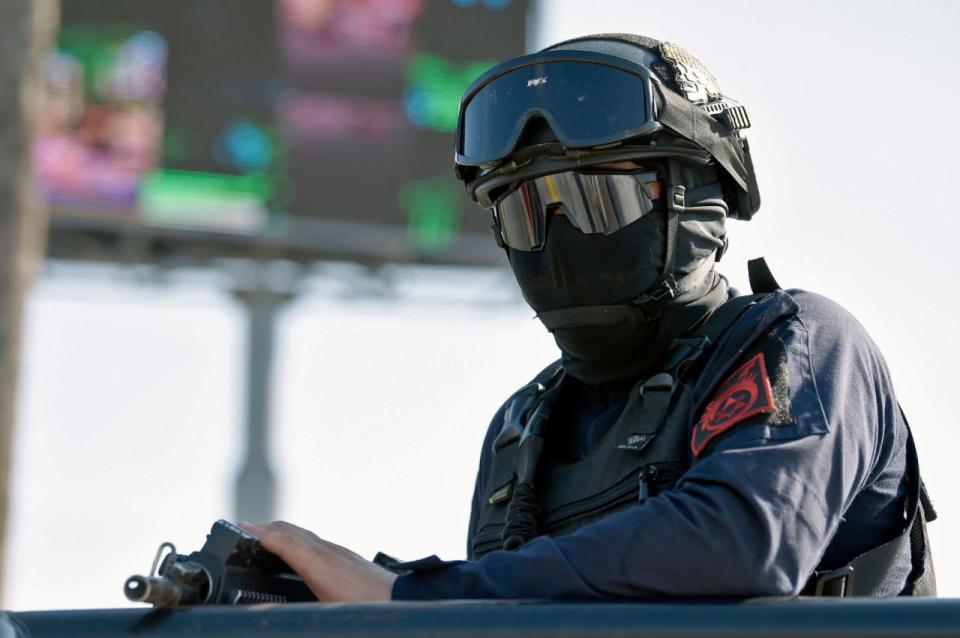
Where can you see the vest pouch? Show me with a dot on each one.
(493, 515)
(502, 481)
(608, 478)
(649, 480)
(620, 473)
(487, 540)
(614, 475)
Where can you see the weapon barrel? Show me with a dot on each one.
(159, 592)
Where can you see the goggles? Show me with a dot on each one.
(599, 108)
(592, 203)
(571, 90)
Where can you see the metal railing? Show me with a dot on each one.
(821, 618)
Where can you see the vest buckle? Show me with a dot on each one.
(836, 582)
(516, 412)
(660, 382)
(684, 352)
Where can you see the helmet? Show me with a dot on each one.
(595, 100)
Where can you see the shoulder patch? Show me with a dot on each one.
(745, 393)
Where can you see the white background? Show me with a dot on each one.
(130, 400)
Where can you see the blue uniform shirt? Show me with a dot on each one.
(758, 510)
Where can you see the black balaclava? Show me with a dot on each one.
(594, 291)
(617, 340)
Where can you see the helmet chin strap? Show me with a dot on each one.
(644, 309)
(668, 287)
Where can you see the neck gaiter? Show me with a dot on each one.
(608, 339)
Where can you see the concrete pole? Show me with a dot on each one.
(255, 486)
(27, 29)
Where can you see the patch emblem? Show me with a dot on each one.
(696, 82)
(636, 442)
(745, 393)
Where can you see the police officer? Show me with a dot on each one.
(691, 441)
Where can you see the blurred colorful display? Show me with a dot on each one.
(267, 118)
(101, 123)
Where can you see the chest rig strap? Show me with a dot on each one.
(683, 353)
(654, 397)
(523, 512)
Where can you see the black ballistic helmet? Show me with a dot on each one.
(599, 99)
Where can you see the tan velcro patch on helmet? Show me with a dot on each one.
(694, 79)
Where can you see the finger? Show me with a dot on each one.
(332, 572)
(288, 538)
(276, 529)
(250, 528)
(283, 528)
(299, 548)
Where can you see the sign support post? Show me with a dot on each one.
(255, 486)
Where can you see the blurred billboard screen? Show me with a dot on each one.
(301, 129)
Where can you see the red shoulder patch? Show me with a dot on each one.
(744, 394)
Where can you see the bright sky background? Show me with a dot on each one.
(130, 401)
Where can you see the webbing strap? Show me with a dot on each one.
(646, 409)
(725, 315)
(761, 279)
(666, 287)
(684, 352)
(923, 578)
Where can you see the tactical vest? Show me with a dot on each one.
(644, 452)
(647, 450)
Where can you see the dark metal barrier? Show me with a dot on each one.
(821, 618)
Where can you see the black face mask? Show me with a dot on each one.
(612, 340)
(576, 269)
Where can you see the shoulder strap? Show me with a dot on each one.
(684, 352)
(866, 574)
(523, 511)
(520, 404)
(761, 279)
(724, 316)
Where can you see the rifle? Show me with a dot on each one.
(230, 569)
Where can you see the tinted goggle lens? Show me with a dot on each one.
(573, 97)
(592, 202)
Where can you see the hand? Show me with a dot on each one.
(333, 573)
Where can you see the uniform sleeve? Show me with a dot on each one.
(751, 517)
